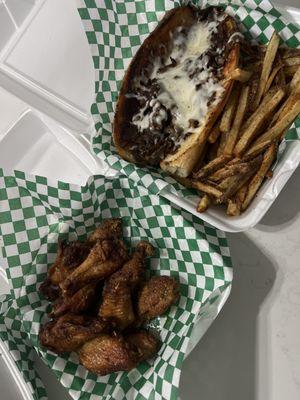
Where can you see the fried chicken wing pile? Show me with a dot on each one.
(100, 298)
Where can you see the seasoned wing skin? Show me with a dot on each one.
(117, 305)
(156, 296)
(69, 256)
(104, 259)
(76, 303)
(144, 344)
(107, 354)
(49, 290)
(70, 331)
(109, 229)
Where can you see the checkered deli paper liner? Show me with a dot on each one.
(36, 212)
(115, 30)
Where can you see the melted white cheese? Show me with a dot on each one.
(178, 91)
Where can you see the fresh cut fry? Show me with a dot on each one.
(204, 203)
(294, 85)
(232, 208)
(206, 188)
(292, 61)
(257, 119)
(267, 66)
(256, 181)
(229, 110)
(211, 167)
(282, 124)
(214, 134)
(232, 135)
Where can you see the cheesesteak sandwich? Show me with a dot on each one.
(175, 88)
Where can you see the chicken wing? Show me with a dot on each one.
(104, 259)
(107, 354)
(144, 344)
(78, 302)
(156, 296)
(109, 229)
(117, 302)
(70, 331)
(69, 256)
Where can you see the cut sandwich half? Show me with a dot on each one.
(175, 88)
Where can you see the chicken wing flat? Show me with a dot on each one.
(144, 344)
(156, 296)
(104, 259)
(117, 305)
(69, 256)
(107, 354)
(70, 331)
(76, 303)
(109, 229)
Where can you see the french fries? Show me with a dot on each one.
(242, 145)
(257, 119)
(211, 167)
(238, 119)
(204, 203)
(229, 111)
(267, 66)
(256, 181)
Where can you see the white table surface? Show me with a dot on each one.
(252, 350)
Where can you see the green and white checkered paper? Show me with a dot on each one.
(115, 30)
(35, 213)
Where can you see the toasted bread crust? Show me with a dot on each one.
(183, 160)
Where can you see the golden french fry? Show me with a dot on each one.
(253, 88)
(206, 188)
(204, 203)
(229, 110)
(214, 134)
(267, 66)
(211, 167)
(256, 181)
(240, 75)
(232, 184)
(256, 149)
(241, 194)
(292, 61)
(228, 170)
(294, 86)
(291, 70)
(272, 76)
(282, 124)
(232, 135)
(232, 208)
(251, 128)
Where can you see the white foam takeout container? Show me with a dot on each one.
(46, 89)
(270, 189)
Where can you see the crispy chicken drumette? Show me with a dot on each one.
(76, 303)
(69, 256)
(104, 259)
(70, 331)
(117, 294)
(156, 296)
